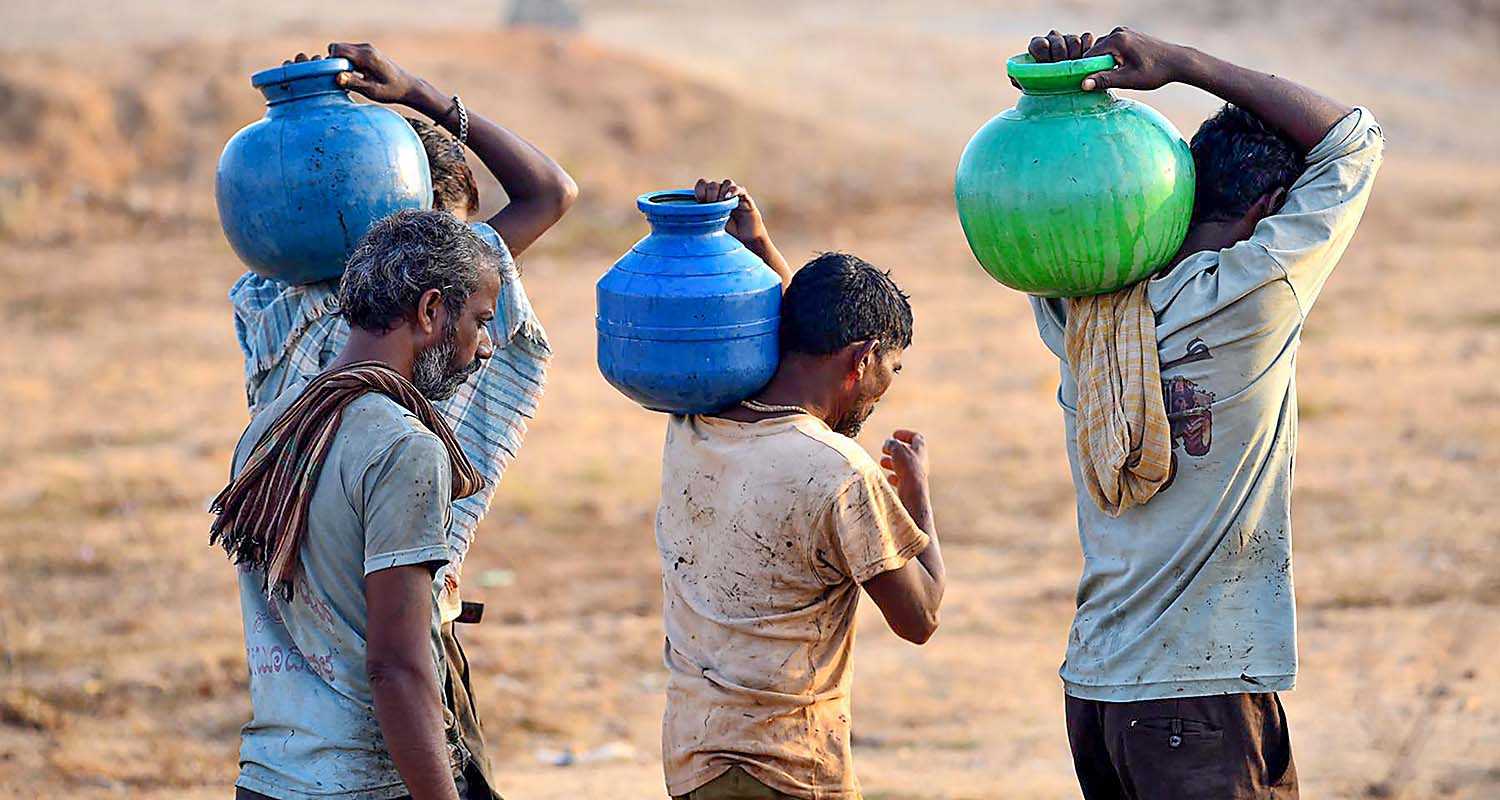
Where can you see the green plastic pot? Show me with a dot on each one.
(1073, 193)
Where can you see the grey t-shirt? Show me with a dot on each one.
(382, 501)
(1191, 593)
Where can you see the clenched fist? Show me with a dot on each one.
(905, 461)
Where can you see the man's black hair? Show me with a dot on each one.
(1239, 158)
(837, 299)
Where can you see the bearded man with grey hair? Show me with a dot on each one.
(292, 333)
(337, 516)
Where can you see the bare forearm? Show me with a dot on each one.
(910, 597)
(540, 191)
(1302, 114)
(763, 247)
(408, 707)
(931, 559)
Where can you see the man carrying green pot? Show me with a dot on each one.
(1185, 628)
(290, 334)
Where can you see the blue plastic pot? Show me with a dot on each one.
(298, 188)
(688, 319)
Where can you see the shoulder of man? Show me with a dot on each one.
(386, 449)
(1051, 317)
(378, 417)
(835, 460)
(260, 421)
(255, 294)
(374, 421)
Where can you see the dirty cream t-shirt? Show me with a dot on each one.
(766, 531)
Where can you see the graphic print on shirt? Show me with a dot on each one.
(1189, 408)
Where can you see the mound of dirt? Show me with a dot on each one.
(130, 141)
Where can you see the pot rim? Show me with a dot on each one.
(299, 70)
(1053, 77)
(679, 204)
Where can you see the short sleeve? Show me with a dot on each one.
(407, 499)
(869, 531)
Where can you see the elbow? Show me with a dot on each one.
(385, 673)
(550, 199)
(564, 194)
(921, 630)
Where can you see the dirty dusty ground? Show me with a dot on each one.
(121, 666)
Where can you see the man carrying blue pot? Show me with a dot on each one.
(338, 516)
(291, 334)
(772, 522)
(1185, 627)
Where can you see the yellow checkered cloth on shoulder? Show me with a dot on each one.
(1124, 438)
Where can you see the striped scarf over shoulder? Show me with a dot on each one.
(261, 516)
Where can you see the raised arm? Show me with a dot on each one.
(909, 597)
(1146, 62)
(745, 223)
(540, 191)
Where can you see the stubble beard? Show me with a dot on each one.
(434, 373)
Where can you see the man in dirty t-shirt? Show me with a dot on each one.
(346, 662)
(771, 520)
(1186, 627)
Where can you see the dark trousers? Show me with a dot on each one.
(1224, 747)
(460, 695)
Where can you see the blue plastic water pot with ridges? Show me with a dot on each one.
(688, 319)
(298, 188)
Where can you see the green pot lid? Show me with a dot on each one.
(1055, 77)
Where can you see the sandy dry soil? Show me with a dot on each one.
(121, 664)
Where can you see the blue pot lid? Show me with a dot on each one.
(681, 205)
(299, 70)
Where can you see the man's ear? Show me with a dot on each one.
(429, 306)
(1278, 199)
(1267, 205)
(861, 358)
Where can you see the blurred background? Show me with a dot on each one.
(122, 666)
